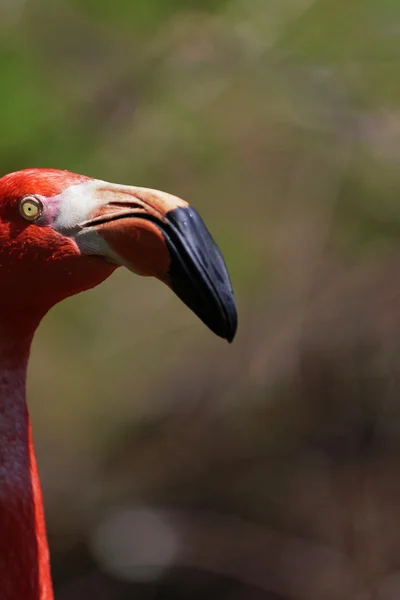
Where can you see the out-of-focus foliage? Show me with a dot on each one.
(273, 462)
(139, 16)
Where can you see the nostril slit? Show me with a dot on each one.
(121, 203)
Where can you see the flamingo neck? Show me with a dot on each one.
(24, 556)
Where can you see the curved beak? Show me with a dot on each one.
(156, 234)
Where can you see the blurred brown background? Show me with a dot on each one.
(173, 465)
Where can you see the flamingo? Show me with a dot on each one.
(62, 233)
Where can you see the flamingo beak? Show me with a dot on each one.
(155, 234)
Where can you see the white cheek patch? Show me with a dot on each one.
(76, 204)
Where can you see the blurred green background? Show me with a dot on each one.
(174, 465)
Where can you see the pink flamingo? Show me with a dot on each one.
(60, 234)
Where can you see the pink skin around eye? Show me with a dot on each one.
(50, 207)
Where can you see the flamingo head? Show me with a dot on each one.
(63, 233)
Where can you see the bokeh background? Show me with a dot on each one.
(174, 465)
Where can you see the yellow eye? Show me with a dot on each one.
(30, 208)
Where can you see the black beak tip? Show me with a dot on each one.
(231, 332)
(223, 325)
(232, 326)
(198, 273)
(229, 321)
(217, 313)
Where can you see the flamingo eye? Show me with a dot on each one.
(30, 208)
